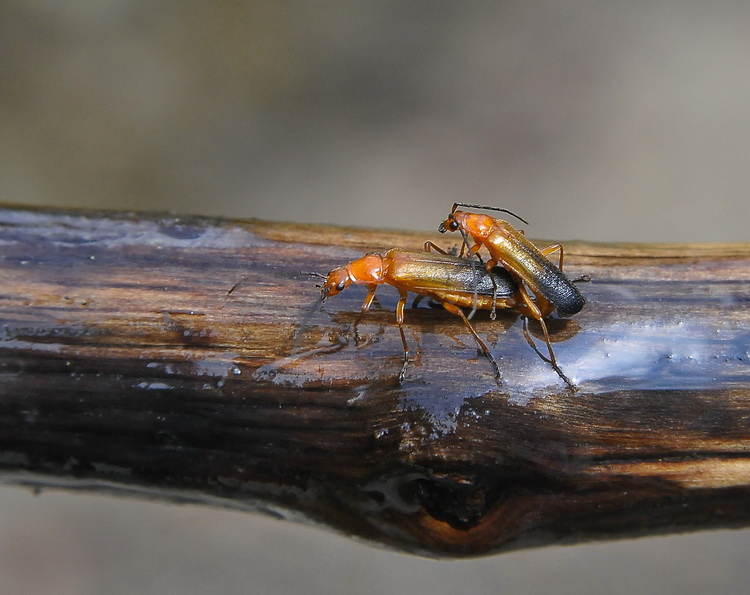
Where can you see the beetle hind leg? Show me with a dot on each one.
(552, 360)
(453, 309)
(531, 310)
(400, 321)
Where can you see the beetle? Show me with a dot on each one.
(528, 265)
(453, 281)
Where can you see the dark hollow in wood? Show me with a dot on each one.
(180, 359)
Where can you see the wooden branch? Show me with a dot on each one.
(128, 364)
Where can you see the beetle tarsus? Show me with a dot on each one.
(402, 373)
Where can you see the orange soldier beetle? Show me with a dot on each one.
(527, 264)
(452, 281)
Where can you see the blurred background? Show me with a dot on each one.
(596, 121)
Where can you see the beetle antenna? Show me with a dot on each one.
(488, 208)
(314, 274)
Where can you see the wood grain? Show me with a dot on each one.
(180, 358)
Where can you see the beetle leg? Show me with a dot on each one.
(433, 247)
(453, 309)
(473, 250)
(365, 307)
(491, 264)
(532, 310)
(400, 322)
(551, 249)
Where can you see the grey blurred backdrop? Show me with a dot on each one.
(595, 120)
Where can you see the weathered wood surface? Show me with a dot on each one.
(127, 364)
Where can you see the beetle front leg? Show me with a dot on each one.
(365, 307)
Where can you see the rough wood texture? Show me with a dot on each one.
(127, 364)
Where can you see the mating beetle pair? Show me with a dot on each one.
(458, 282)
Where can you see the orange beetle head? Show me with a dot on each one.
(450, 224)
(472, 224)
(336, 282)
(364, 271)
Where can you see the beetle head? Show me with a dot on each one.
(450, 224)
(336, 282)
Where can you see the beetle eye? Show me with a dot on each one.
(341, 286)
(453, 225)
